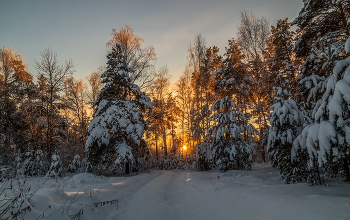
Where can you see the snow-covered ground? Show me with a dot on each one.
(176, 194)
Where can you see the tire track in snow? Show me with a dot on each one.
(155, 199)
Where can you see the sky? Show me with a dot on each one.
(79, 30)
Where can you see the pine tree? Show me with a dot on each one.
(286, 122)
(327, 140)
(323, 30)
(203, 156)
(30, 163)
(231, 77)
(115, 132)
(229, 150)
(322, 22)
(283, 62)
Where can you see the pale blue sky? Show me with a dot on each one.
(80, 29)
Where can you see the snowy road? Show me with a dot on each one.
(234, 195)
(158, 195)
(158, 199)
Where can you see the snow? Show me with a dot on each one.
(56, 166)
(124, 151)
(341, 96)
(225, 136)
(331, 130)
(75, 165)
(347, 45)
(312, 140)
(285, 115)
(326, 136)
(119, 116)
(176, 194)
(317, 86)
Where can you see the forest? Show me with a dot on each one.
(274, 94)
(243, 132)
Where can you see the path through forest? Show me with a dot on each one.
(257, 194)
(176, 194)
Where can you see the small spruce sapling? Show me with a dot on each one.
(56, 167)
(75, 165)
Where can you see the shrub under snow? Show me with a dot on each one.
(56, 166)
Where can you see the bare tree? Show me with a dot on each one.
(142, 60)
(95, 84)
(158, 118)
(160, 88)
(76, 100)
(196, 52)
(252, 35)
(184, 96)
(196, 56)
(199, 57)
(55, 74)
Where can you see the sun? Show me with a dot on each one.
(184, 147)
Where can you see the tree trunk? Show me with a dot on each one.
(157, 149)
(164, 143)
(343, 18)
(346, 169)
(246, 123)
(127, 168)
(48, 136)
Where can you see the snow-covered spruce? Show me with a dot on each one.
(328, 139)
(321, 40)
(56, 169)
(229, 150)
(75, 165)
(30, 163)
(115, 133)
(203, 156)
(286, 122)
